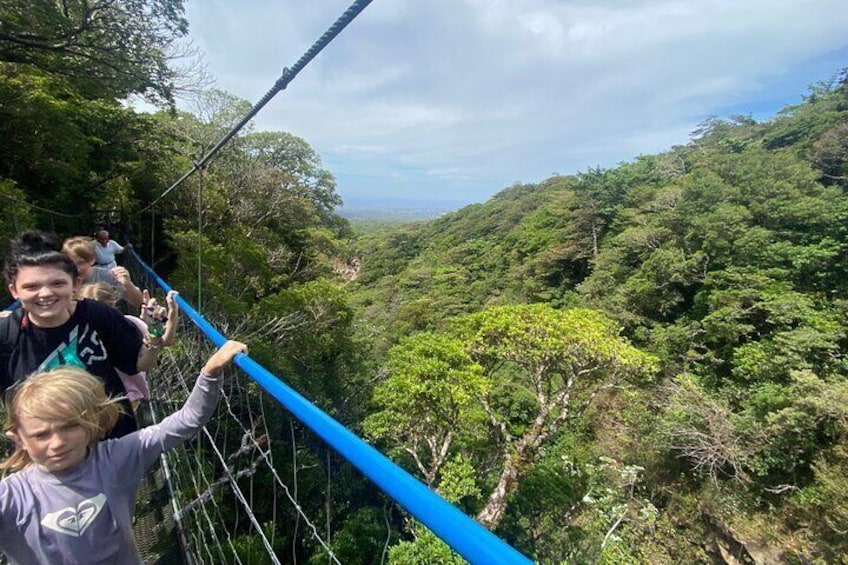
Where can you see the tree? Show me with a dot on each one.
(429, 397)
(563, 358)
(18, 216)
(705, 431)
(267, 196)
(285, 182)
(108, 49)
(830, 153)
(69, 153)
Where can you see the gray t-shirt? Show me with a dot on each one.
(85, 514)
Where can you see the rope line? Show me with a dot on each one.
(240, 495)
(40, 208)
(265, 454)
(197, 489)
(205, 491)
(169, 481)
(281, 84)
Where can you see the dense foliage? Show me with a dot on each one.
(727, 259)
(105, 49)
(641, 364)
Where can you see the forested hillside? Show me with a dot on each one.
(724, 261)
(641, 364)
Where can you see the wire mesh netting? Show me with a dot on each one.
(238, 484)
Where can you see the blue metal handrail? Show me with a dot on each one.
(464, 535)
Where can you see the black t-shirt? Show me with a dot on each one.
(96, 338)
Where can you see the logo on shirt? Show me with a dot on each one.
(83, 348)
(75, 520)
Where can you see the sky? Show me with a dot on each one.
(455, 100)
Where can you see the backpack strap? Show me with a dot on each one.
(10, 325)
(10, 333)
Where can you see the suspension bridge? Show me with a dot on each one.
(219, 498)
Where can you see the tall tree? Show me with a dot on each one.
(430, 397)
(564, 358)
(107, 48)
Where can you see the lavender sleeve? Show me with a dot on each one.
(139, 450)
(185, 422)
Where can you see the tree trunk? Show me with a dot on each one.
(595, 244)
(495, 508)
(515, 465)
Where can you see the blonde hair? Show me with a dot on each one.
(66, 394)
(81, 247)
(101, 292)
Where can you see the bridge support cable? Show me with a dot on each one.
(265, 454)
(463, 534)
(200, 243)
(153, 235)
(281, 83)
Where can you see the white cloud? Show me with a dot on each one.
(470, 95)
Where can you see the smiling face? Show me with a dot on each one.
(53, 446)
(46, 293)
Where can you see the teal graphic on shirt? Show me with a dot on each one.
(65, 354)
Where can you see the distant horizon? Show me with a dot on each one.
(397, 208)
(393, 201)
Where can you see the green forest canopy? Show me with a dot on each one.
(726, 259)
(639, 364)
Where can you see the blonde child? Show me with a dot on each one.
(72, 496)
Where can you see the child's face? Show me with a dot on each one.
(53, 446)
(46, 293)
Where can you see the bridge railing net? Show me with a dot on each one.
(237, 488)
(273, 479)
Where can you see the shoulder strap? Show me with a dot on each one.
(10, 325)
(10, 333)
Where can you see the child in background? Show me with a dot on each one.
(161, 322)
(81, 251)
(136, 385)
(73, 495)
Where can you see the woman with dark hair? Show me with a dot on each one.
(50, 328)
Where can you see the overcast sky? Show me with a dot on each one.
(454, 100)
